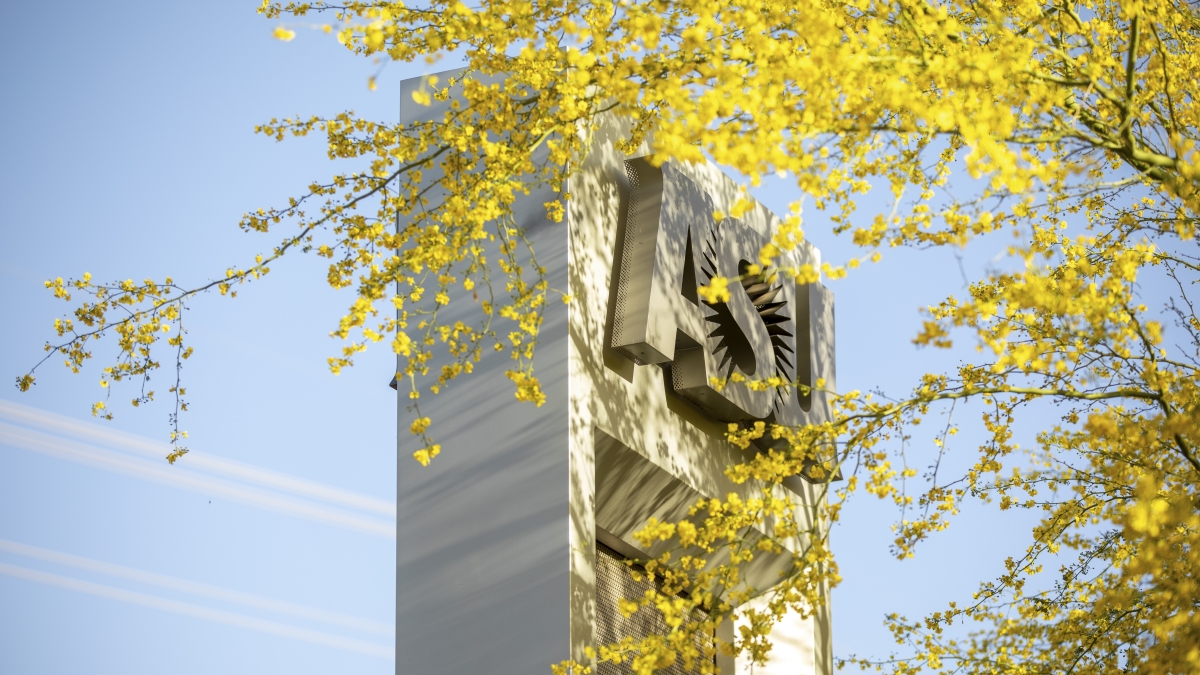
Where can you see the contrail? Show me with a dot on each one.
(203, 590)
(95, 433)
(196, 611)
(54, 446)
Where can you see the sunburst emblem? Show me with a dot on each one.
(734, 348)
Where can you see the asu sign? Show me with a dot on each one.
(769, 327)
(482, 553)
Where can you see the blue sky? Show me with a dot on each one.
(126, 150)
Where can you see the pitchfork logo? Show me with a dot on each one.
(766, 329)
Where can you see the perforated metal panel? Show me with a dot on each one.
(631, 235)
(615, 581)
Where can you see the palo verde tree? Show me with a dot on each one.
(1077, 122)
